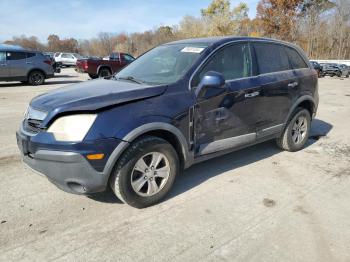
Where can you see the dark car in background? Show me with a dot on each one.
(331, 69)
(179, 104)
(318, 68)
(104, 68)
(18, 64)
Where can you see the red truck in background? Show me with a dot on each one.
(103, 68)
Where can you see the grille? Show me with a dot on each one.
(32, 125)
(32, 120)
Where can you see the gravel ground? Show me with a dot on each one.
(257, 204)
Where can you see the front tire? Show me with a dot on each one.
(145, 172)
(296, 133)
(36, 78)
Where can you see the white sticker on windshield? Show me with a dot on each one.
(191, 49)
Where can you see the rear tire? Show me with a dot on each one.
(104, 72)
(296, 133)
(36, 78)
(145, 172)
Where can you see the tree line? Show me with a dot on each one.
(320, 27)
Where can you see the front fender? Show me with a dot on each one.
(143, 129)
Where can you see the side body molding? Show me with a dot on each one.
(131, 136)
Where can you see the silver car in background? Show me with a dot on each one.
(18, 64)
(67, 59)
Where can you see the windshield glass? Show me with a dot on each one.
(162, 65)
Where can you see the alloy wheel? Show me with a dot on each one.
(299, 129)
(150, 174)
(36, 78)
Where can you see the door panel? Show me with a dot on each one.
(278, 89)
(278, 83)
(226, 117)
(17, 64)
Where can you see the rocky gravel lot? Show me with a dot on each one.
(257, 204)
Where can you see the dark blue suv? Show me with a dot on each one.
(176, 105)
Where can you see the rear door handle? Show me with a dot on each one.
(28, 63)
(293, 84)
(253, 94)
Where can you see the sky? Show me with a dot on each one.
(84, 19)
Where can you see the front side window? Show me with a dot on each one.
(295, 59)
(2, 56)
(233, 62)
(16, 55)
(164, 64)
(271, 58)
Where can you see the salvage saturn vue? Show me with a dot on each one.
(176, 105)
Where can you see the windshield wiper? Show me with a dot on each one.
(131, 78)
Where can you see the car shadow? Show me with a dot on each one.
(58, 82)
(63, 76)
(199, 173)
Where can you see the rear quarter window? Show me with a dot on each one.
(31, 55)
(271, 58)
(295, 59)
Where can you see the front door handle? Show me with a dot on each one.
(293, 84)
(253, 94)
(3, 64)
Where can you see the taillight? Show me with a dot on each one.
(49, 62)
(86, 64)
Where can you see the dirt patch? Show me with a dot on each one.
(343, 173)
(269, 202)
(7, 160)
(301, 210)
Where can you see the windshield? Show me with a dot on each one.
(162, 65)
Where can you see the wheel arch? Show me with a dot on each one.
(305, 101)
(104, 66)
(36, 69)
(165, 131)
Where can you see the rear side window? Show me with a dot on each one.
(30, 55)
(16, 55)
(271, 58)
(67, 56)
(232, 61)
(295, 59)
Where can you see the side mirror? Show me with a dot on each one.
(212, 84)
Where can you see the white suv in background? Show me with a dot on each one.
(66, 59)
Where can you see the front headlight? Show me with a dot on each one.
(72, 128)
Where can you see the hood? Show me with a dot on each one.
(93, 95)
